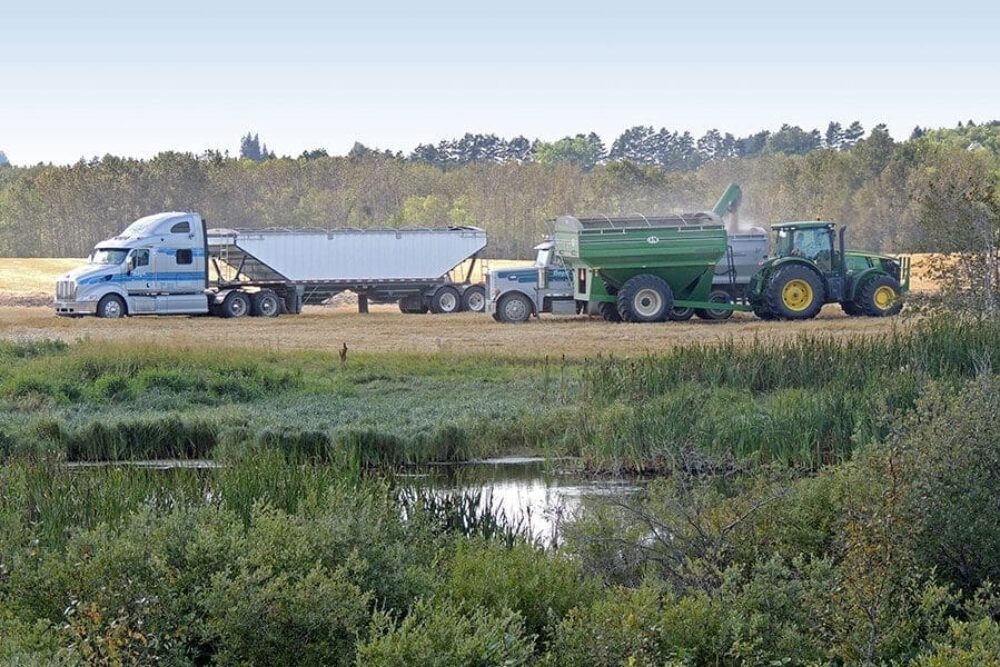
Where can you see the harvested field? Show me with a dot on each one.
(385, 329)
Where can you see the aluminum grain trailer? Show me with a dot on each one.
(169, 263)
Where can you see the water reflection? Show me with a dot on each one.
(529, 491)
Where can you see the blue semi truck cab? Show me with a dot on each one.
(515, 294)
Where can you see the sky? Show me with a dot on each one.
(82, 79)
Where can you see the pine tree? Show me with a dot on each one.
(853, 134)
(834, 136)
(917, 132)
(250, 147)
(4, 162)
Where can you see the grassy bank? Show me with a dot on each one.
(804, 402)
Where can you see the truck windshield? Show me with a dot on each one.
(108, 256)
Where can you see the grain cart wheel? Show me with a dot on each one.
(680, 314)
(236, 304)
(716, 296)
(446, 300)
(514, 308)
(111, 307)
(852, 308)
(881, 297)
(474, 299)
(609, 311)
(794, 292)
(645, 298)
(265, 303)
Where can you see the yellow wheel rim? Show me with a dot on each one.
(884, 297)
(797, 295)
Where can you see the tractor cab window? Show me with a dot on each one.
(814, 244)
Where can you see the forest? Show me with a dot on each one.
(879, 186)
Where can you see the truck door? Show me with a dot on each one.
(140, 281)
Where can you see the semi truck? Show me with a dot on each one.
(171, 263)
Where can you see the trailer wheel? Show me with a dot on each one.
(474, 299)
(446, 300)
(265, 304)
(645, 298)
(680, 314)
(236, 304)
(880, 297)
(852, 309)
(111, 307)
(514, 308)
(794, 292)
(609, 311)
(716, 296)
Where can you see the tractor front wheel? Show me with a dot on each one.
(795, 292)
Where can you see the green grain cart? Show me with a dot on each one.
(642, 269)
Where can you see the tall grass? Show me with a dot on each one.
(807, 401)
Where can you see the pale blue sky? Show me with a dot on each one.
(89, 78)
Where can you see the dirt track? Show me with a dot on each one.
(386, 329)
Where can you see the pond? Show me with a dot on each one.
(534, 492)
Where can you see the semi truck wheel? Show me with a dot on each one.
(645, 298)
(609, 311)
(716, 296)
(236, 304)
(111, 307)
(446, 300)
(680, 314)
(474, 299)
(514, 308)
(794, 292)
(265, 304)
(881, 297)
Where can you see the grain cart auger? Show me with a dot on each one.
(811, 266)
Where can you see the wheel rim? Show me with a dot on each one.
(447, 302)
(515, 309)
(268, 306)
(884, 297)
(647, 302)
(112, 309)
(797, 295)
(477, 302)
(238, 307)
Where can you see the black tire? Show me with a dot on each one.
(881, 297)
(111, 307)
(446, 300)
(852, 309)
(609, 311)
(645, 298)
(474, 299)
(236, 304)
(763, 313)
(514, 308)
(413, 305)
(265, 303)
(795, 292)
(716, 296)
(680, 314)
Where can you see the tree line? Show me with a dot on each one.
(877, 185)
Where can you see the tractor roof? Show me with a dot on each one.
(804, 224)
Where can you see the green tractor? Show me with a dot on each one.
(811, 267)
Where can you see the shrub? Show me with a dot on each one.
(968, 645)
(440, 635)
(541, 587)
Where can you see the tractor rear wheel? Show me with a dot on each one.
(716, 296)
(795, 292)
(609, 311)
(645, 298)
(881, 297)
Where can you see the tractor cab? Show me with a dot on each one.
(813, 241)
